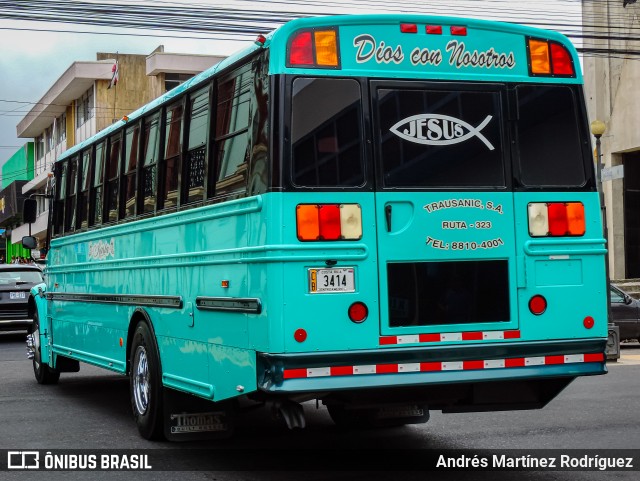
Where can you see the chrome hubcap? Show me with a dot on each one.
(35, 338)
(141, 386)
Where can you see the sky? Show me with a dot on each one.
(34, 54)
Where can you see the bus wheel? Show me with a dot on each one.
(145, 384)
(43, 373)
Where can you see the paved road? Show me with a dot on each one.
(90, 410)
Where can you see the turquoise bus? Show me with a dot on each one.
(390, 214)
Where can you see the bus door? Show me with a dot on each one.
(444, 213)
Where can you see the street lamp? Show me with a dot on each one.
(597, 129)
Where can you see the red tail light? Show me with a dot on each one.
(314, 49)
(558, 224)
(329, 217)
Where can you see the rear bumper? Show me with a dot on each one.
(407, 367)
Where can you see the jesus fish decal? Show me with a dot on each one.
(435, 129)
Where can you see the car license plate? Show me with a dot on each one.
(17, 295)
(332, 280)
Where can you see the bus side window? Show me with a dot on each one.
(132, 148)
(83, 197)
(172, 149)
(95, 199)
(70, 202)
(232, 139)
(61, 189)
(111, 175)
(150, 153)
(193, 176)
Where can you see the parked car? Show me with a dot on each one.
(625, 313)
(15, 282)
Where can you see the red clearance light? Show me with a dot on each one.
(358, 312)
(434, 29)
(461, 31)
(561, 60)
(301, 49)
(537, 304)
(260, 40)
(408, 28)
(588, 322)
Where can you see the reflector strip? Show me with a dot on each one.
(450, 336)
(472, 365)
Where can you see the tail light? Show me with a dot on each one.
(556, 219)
(549, 59)
(314, 49)
(328, 222)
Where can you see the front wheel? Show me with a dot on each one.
(43, 373)
(145, 384)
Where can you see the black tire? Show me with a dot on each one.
(43, 373)
(145, 383)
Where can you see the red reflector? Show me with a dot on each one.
(358, 312)
(561, 60)
(558, 223)
(588, 322)
(301, 49)
(408, 28)
(434, 29)
(537, 305)
(300, 335)
(462, 31)
(329, 216)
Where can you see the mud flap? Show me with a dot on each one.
(188, 418)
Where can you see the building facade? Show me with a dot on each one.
(612, 76)
(86, 99)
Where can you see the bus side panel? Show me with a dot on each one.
(568, 271)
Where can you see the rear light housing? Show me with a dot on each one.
(328, 222)
(556, 219)
(549, 59)
(314, 48)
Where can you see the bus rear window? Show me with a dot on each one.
(548, 137)
(439, 138)
(326, 133)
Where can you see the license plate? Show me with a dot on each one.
(17, 295)
(332, 280)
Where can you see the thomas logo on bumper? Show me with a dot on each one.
(435, 129)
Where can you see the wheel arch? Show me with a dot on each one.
(139, 315)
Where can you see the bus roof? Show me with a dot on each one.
(376, 46)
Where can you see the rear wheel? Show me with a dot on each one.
(145, 384)
(43, 373)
